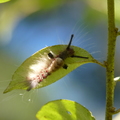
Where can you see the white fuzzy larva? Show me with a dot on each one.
(45, 66)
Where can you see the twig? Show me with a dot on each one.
(112, 34)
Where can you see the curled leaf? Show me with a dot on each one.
(37, 66)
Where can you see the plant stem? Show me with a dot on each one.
(112, 34)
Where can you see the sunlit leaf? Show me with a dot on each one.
(3, 1)
(64, 110)
(22, 74)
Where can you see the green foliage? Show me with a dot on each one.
(3, 1)
(19, 78)
(50, 5)
(64, 110)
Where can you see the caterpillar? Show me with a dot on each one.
(47, 66)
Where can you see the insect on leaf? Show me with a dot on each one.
(64, 110)
(48, 65)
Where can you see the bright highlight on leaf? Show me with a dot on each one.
(48, 65)
(64, 110)
(3, 1)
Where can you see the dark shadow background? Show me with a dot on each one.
(28, 26)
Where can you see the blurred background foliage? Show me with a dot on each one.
(29, 25)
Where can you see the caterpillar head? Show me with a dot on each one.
(68, 52)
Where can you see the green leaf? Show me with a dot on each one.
(64, 110)
(19, 78)
(3, 1)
